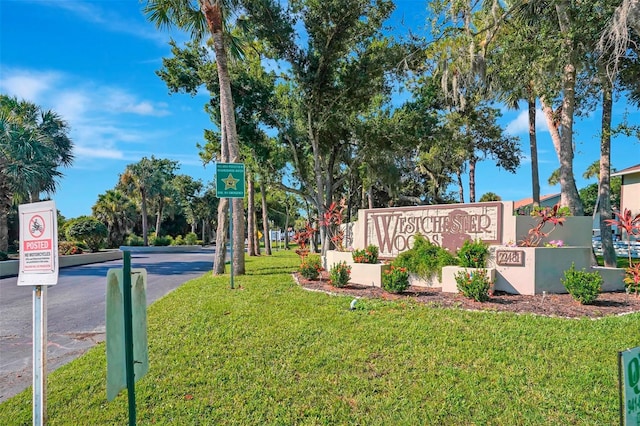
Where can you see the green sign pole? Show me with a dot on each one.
(128, 336)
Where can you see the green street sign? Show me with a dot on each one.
(629, 376)
(230, 180)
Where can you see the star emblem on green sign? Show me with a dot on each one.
(230, 182)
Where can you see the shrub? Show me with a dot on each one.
(367, 255)
(67, 248)
(134, 241)
(162, 241)
(89, 230)
(395, 279)
(475, 284)
(339, 274)
(191, 239)
(178, 241)
(310, 267)
(473, 254)
(583, 286)
(425, 258)
(3, 256)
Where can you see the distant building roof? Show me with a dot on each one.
(627, 171)
(529, 201)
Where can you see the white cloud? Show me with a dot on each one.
(119, 100)
(87, 152)
(111, 21)
(71, 105)
(26, 84)
(99, 116)
(520, 124)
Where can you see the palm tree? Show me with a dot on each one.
(118, 212)
(139, 179)
(33, 145)
(195, 17)
(51, 131)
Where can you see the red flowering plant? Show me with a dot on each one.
(554, 216)
(632, 277)
(332, 220)
(311, 267)
(395, 279)
(367, 255)
(631, 225)
(302, 238)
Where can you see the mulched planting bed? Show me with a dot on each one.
(555, 305)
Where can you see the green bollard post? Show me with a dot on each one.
(128, 336)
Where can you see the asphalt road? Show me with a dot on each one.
(76, 311)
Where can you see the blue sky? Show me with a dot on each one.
(94, 63)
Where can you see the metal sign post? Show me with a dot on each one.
(39, 354)
(39, 268)
(230, 183)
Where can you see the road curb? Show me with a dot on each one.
(10, 268)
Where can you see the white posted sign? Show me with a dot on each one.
(38, 244)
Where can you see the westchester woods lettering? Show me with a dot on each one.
(392, 230)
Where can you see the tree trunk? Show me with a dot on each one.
(213, 15)
(145, 225)
(265, 220)
(221, 248)
(159, 216)
(286, 226)
(254, 236)
(567, 181)
(533, 147)
(564, 143)
(460, 187)
(251, 223)
(604, 187)
(4, 229)
(472, 180)
(317, 168)
(223, 210)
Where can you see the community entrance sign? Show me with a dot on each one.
(448, 226)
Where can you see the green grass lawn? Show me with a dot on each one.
(270, 353)
(623, 262)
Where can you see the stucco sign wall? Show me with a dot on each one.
(448, 226)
